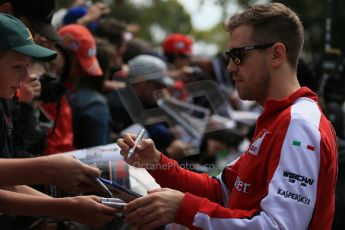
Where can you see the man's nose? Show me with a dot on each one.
(232, 67)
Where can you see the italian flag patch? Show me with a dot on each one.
(300, 144)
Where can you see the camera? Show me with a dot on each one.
(52, 89)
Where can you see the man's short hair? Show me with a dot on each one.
(112, 30)
(272, 22)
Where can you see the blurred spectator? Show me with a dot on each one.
(90, 111)
(28, 132)
(146, 75)
(105, 54)
(74, 13)
(87, 15)
(177, 48)
(18, 49)
(82, 53)
(37, 16)
(56, 107)
(115, 32)
(135, 47)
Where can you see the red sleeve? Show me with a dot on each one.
(192, 206)
(170, 175)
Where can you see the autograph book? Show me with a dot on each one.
(119, 191)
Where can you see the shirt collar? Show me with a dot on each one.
(274, 105)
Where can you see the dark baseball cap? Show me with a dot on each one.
(15, 36)
(40, 14)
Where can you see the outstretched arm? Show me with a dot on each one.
(24, 189)
(63, 171)
(84, 209)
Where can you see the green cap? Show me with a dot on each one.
(15, 36)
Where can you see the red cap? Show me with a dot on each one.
(79, 40)
(178, 44)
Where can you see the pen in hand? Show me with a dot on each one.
(137, 141)
(105, 188)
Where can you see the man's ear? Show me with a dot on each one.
(278, 54)
(6, 8)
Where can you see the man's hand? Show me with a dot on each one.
(70, 174)
(145, 156)
(158, 208)
(30, 89)
(94, 13)
(87, 210)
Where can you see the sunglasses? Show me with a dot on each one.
(237, 55)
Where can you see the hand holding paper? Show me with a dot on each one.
(68, 173)
(147, 211)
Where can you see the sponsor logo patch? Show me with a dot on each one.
(293, 196)
(241, 186)
(293, 177)
(254, 147)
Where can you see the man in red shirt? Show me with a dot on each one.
(286, 177)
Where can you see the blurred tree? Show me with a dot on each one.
(63, 3)
(312, 14)
(156, 19)
(215, 35)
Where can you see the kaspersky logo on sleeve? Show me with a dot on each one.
(254, 147)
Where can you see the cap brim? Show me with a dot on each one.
(90, 66)
(36, 52)
(168, 81)
(162, 80)
(45, 29)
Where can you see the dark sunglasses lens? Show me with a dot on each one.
(236, 56)
(227, 56)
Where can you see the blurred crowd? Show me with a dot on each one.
(106, 81)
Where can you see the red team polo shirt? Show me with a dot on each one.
(284, 180)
